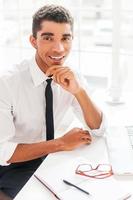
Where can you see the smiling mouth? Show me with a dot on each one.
(56, 58)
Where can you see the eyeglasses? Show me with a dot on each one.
(100, 171)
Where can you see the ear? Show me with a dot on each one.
(33, 41)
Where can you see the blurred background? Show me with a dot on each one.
(103, 41)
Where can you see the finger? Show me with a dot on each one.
(66, 77)
(58, 74)
(55, 73)
(63, 74)
(51, 69)
(89, 137)
(86, 136)
(86, 140)
(56, 70)
(87, 132)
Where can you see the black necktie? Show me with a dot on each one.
(49, 111)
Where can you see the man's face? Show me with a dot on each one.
(53, 43)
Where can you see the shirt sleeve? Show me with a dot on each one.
(79, 114)
(102, 128)
(7, 149)
(7, 128)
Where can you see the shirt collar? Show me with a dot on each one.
(37, 75)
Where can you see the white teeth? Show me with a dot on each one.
(56, 58)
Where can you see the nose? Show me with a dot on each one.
(58, 47)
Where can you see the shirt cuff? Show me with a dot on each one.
(6, 151)
(101, 130)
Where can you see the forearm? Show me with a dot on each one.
(92, 114)
(25, 152)
(69, 141)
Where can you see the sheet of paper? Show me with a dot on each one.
(107, 188)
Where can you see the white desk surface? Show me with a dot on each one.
(96, 153)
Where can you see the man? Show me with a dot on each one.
(23, 116)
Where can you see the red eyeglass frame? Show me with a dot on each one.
(100, 175)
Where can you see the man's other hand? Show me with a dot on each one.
(75, 138)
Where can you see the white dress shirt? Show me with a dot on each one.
(22, 108)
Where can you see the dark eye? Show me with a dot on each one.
(48, 38)
(66, 39)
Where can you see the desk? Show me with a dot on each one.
(96, 153)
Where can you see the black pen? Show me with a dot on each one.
(71, 184)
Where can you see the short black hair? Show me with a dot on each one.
(55, 13)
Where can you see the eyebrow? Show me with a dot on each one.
(67, 35)
(52, 34)
(47, 33)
